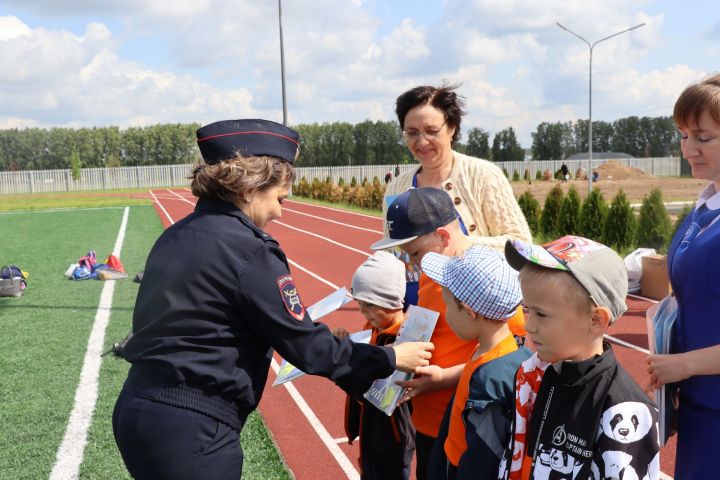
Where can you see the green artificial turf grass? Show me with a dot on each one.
(45, 336)
(44, 201)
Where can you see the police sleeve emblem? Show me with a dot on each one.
(290, 297)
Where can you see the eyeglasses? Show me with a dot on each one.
(430, 134)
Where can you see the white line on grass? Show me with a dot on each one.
(70, 453)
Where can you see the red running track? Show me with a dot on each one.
(324, 247)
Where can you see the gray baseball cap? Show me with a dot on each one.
(597, 267)
(380, 281)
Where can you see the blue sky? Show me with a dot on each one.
(140, 62)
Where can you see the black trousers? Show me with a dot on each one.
(158, 441)
(423, 447)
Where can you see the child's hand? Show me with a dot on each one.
(341, 332)
(411, 355)
(428, 377)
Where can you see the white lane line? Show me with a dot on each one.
(181, 197)
(349, 212)
(323, 238)
(331, 443)
(640, 297)
(340, 440)
(155, 200)
(627, 344)
(333, 221)
(342, 459)
(70, 452)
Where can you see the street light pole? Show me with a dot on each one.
(591, 46)
(282, 63)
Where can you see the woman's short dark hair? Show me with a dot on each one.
(697, 98)
(232, 180)
(443, 98)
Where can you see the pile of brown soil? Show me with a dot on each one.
(614, 170)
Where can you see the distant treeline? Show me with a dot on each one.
(327, 144)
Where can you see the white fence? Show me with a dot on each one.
(32, 181)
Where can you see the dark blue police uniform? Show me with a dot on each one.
(216, 298)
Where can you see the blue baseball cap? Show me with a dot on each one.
(481, 279)
(414, 213)
(252, 137)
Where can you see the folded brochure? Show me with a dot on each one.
(384, 393)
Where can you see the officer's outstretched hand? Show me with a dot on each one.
(410, 355)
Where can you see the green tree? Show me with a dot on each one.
(478, 144)
(75, 165)
(506, 148)
(592, 216)
(547, 141)
(549, 221)
(569, 217)
(620, 224)
(531, 209)
(654, 224)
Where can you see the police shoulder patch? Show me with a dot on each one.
(290, 297)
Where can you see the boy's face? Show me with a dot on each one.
(430, 242)
(559, 329)
(379, 317)
(461, 321)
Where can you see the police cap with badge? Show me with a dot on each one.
(249, 137)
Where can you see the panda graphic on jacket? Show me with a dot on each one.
(590, 421)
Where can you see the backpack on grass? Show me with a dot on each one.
(12, 281)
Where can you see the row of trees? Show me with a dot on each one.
(639, 137)
(337, 143)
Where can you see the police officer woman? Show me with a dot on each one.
(216, 297)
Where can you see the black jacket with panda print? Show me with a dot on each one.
(590, 420)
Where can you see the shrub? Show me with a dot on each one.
(516, 176)
(364, 182)
(75, 165)
(681, 217)
(569, 218)
(375, 181)
(302, 189)
(531, 209)
(526, 175)
(341, 182)
(551, 213)
(538, 175)
(505, 172)
(654, 224)
(619, 226)
(353, 182)
(547, 174)
(592, 215)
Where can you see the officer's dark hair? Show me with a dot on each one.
(232, 180)
(443, 98)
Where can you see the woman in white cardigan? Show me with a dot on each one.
(430, 120)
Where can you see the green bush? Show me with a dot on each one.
(681, 217)
(365, 182)
(654, 225)
(526, 175)
(341, 182)
(619, 226)
(538, 175)
(551, 213)
(516, 176)
(592, 215)
(531, 209)
(505, 172)
(353, 182)
(75, 165)
(569, 218)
